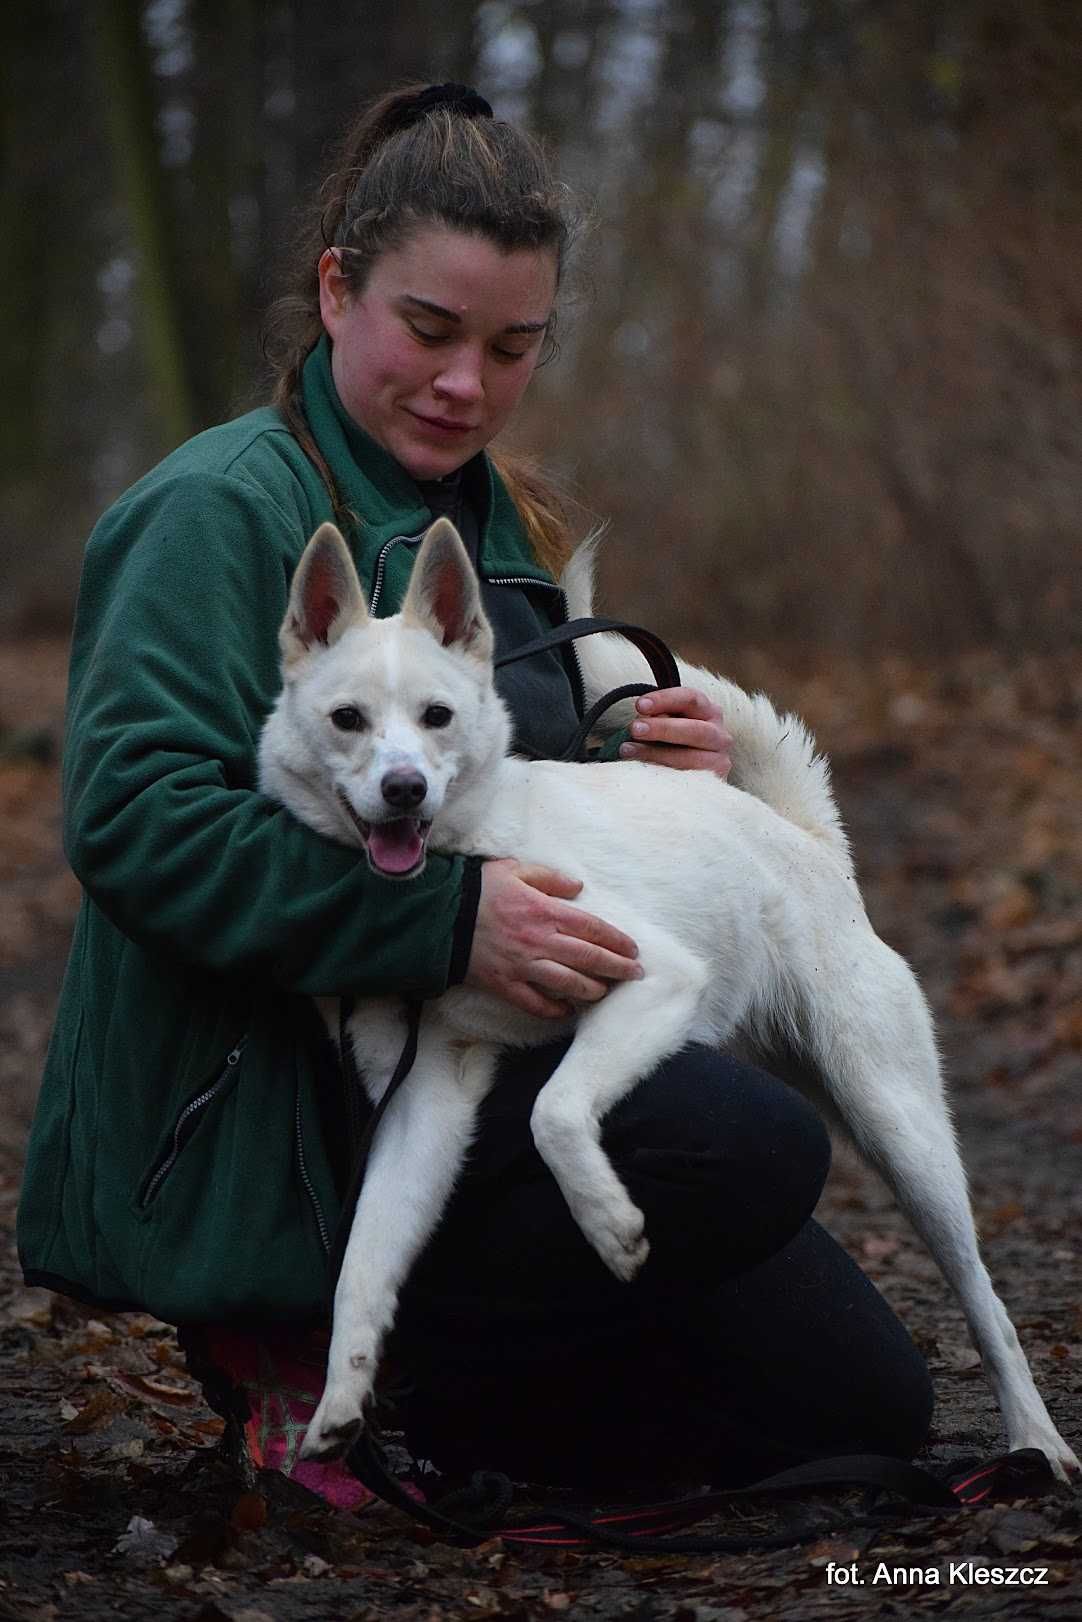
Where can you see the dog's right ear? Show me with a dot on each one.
(444, 596)
(325, 596)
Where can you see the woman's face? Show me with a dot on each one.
(432, 357)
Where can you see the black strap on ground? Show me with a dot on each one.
(401, 1071)
(473, 1514)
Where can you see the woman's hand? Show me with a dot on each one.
(537, 952)
(679, 726)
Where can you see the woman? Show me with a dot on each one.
(193, 1136)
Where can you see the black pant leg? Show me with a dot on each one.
(726, 1162)
(749, 1341)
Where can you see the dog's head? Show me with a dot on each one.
(379, 719)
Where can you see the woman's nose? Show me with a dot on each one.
(461, 378)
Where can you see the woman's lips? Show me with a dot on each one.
(444, 425)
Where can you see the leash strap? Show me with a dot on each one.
(480, 1507)
(657, 654)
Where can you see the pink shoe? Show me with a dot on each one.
(282, 1378)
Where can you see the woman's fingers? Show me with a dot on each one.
(680, 727)
(537, 951)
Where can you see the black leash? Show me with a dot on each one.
(658, 655)
(474, 1514)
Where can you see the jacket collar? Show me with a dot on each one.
(384, 496)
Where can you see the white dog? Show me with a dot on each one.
(389, 735)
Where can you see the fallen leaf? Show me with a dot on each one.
(177, 1575)
(831, 1549)
(96, 1414)
(249, 1512)
(152, 1388)
(143, 1543)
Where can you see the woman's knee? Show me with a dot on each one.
(726, 1161)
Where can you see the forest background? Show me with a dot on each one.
(820, 369)
(823, 344)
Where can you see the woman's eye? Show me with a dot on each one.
(437, 715)
(425, 336)
(348, 719)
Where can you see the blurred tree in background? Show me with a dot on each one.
(823, 348)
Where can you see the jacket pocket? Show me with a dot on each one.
(189, 1118)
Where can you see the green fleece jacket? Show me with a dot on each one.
(181, 1156)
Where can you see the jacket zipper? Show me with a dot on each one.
(396, 540)
(190, 1110)
(525, 580)
(309, 1189)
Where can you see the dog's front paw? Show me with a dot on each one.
(339, 1418)
(617, 1232)
(1047, 1440)
(1065, 1465)
(334, 1427)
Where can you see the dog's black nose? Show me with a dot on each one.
(403, 789)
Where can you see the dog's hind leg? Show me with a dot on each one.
(617, 1042)
(418, 1152)
(875, 1046)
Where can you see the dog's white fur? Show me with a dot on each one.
(740, 895)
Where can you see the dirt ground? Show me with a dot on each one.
(962, 788)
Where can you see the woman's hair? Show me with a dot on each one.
(424, 155)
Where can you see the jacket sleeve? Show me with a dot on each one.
(174, 669)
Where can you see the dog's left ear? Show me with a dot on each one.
(325, 596)
(444, 595)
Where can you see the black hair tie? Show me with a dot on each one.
(457, 98)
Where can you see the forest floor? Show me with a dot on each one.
(962, 788)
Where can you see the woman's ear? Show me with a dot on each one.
(334, 291)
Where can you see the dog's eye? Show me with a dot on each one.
(347, 719)
(437, 715)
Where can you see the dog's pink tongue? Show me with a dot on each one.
(395, 847)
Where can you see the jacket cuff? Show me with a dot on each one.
(462, 937)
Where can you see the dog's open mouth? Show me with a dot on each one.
(395, 848)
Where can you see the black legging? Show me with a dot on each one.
(750, 1341)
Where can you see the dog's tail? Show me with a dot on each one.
(774, 756)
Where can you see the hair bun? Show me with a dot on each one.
(457, 98)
